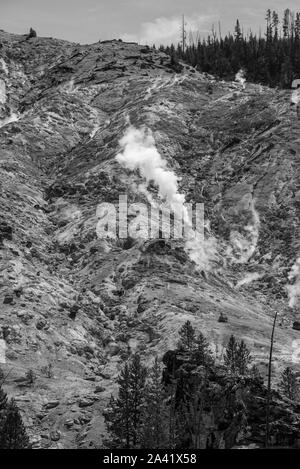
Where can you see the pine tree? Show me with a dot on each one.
(124, 414)
(3, 400)
(269, 33)
(190, 415)
(155, 432)
(288, 384)
(286, 23)
(12, 431)
(187, 337)
(275, 21)
(243, 358)
(297, 26)
(137, 381)
(202, 354)
(237, 357)
(230, 358)
(237, 31)
(272, 59)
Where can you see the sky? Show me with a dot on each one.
(144, 21)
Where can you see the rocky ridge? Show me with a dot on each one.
(84, 304)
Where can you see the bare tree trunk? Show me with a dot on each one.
(269, 385)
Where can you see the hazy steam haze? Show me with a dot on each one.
(243, 244)
(295, 98)
(240, 78)
(139, 152)
(294, 290)
(2, 92)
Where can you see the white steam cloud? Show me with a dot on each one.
(249, 278)
(3, 66)
(294, 289)
(240, 78)
(8, 120)
(3, 96)
(243, 245)
(139, 152)
(295, 98)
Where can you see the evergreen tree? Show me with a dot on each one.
(231, 353)
(275, 21)
(237, 31)
(187, 337)
(124, 414)
(190, 415)
(288, 384)
(272, 59)
(237, 357)
(286, 24)
(12, 431)
(155, 433)
(202, 354)
(243, 358)
(269, 32)
(3, 400)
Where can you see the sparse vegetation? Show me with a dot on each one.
(12, 431)
(31, 377)
(187, 337)
(289, 384)
(47, 370)
(237, 357)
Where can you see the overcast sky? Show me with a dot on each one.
(146, 21)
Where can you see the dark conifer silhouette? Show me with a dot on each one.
(271, 59)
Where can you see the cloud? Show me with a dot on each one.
(167, 30)
(93, 10)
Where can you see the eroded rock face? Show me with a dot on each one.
(84, 304)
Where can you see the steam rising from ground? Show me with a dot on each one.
(294, 290)
(2, 92)
(243, 245)
(139, 152)
(249, 278)
(240, 78)
(3, 66)
(7, 120)
(295, 98)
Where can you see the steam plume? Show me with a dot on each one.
(243, 245)
(249, 277)
(240, 78)
(139, 152)
(294, 290)
(295, 98)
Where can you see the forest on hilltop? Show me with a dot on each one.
(272, 58)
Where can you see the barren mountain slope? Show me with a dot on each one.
(83, 303)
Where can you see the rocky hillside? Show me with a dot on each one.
(83, 304)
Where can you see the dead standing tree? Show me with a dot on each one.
(269, 385)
